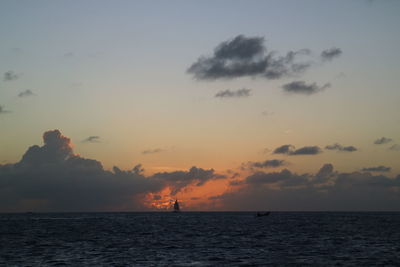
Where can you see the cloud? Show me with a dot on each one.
(339, 147)
(10, 76)
(153, 151)
(301, 87)
(307, 150)
(267, 113)
(2, 110)
(284, 178)
(92, 139)
(331, 53)
(395, 147)
(376, 169)
(230, 94)
(69, 54)
(284, 149)
(52, 177)
(273, 163)
(138, 169)
(382, 140)
(324, 174)
(325, 190)
(247, 57)
(180, 179)
(26, 93)
(290, 150)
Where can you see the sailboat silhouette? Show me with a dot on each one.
(176, 206)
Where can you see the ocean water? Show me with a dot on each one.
(199, 239)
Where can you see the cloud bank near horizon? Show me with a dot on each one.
(325, 190)
(52, 177)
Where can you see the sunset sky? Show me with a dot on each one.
(227, 105)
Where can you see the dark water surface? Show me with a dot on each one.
(198, 239)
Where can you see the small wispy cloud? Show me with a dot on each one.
(339, 147)
(301, 87)
(331, 53)
(244, 92)
(382, 140)
(69, 54)
(10, 76)
(2, 110)
(273, 163)
(152, 151)
(267, 113)
(92, 139)
(377, 169)
(26, 93)
(395, 147)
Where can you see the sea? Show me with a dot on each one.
(200, 239)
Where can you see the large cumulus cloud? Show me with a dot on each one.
(52, 177)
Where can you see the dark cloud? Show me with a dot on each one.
(138, 169)
(285, 149)
(382, 140)
(26, 93)
(92, 139)
(247, 57)
(324, 174)
(273, 163)
(339, 147)
(331, 53)
(326, 190)
(301, 87)
(240, 47)
(152, 151)
(233, 93)
(10, 76)
(290, 150)
(377, 169)
(307, 150)
(52, 177)
(395, 147)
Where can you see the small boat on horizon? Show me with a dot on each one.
(176, 206)
(262, 214)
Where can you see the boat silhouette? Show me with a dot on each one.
(262, 214)
(176, 206)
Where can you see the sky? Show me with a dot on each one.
(225, 105)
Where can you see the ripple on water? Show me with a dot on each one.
(199, 239)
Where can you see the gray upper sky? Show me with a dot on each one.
(214, 84)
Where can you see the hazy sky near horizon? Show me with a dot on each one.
(114, 76)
